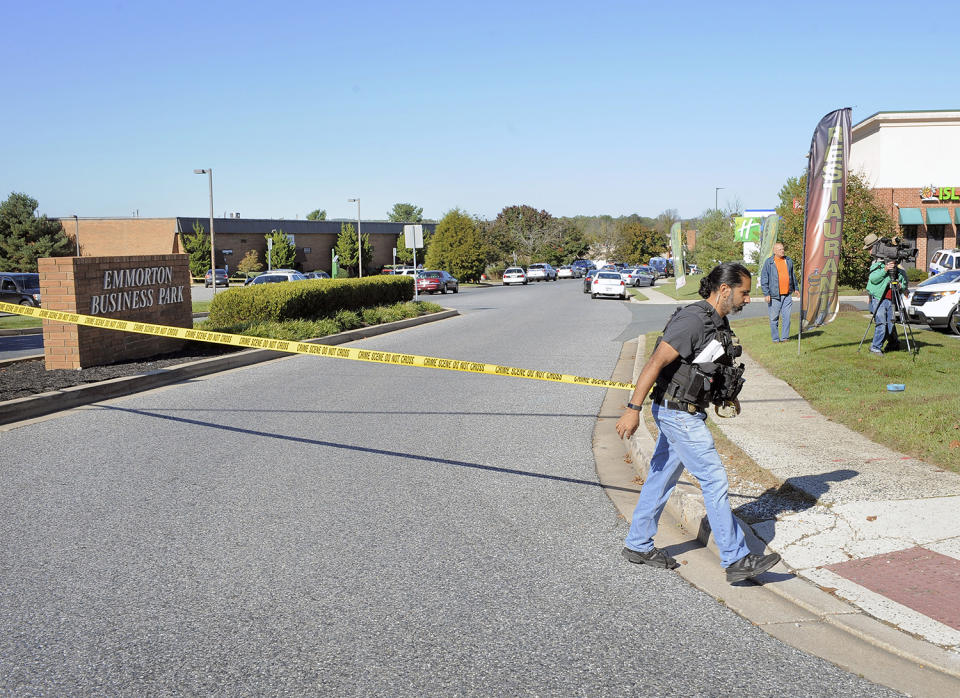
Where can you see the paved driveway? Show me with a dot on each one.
(318, 526)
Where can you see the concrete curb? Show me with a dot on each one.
(43, 404)
(784, 605)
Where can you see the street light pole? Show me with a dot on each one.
(213, 249)
(716, 191)
(359, 240)
(76, 220)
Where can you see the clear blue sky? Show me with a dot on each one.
(577, 108)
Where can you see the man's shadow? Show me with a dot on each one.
(794, 495)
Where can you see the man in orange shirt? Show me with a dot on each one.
(778, 282)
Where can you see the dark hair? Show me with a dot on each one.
(729, 273)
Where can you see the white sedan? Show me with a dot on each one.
(608, 283)
(936, 301)
(514, 275)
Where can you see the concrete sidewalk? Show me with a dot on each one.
(883, 533)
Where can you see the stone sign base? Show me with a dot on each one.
(143, 288)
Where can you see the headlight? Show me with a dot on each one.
(942, 294)
(36, 297)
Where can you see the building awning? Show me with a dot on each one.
(910, 216)
(938, 216)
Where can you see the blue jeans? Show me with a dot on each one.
(685, 441)
(779, 309)
(884, 321)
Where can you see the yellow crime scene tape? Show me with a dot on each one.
(369, 355)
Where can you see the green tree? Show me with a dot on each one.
(346, 249)
(24, 236)
(861, 216)
(284, 253)
(197, 245)
(405, 213)
(457, 246)
(250, 263)
(317, 214)
(715, 241)
(637, 243)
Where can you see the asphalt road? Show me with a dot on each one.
(313, 526)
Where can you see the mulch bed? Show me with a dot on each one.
(25, 378)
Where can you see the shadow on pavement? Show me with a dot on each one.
(374, 451)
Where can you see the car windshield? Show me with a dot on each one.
(535, 266)
(272, 279)
(30, 280)
(941, 278)
(609, 275)
(430, 275)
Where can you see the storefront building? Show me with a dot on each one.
(911, 161)
(233, 238)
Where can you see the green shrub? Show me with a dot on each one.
(914, 275)
(310, 300)
(348, 319)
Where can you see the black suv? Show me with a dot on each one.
(20, 289)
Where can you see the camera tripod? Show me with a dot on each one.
(896, 298)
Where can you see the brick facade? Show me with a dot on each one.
(927, 237)
(77, 285)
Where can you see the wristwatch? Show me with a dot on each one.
(638, 408)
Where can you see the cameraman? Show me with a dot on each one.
(884, 275)
(686, 363)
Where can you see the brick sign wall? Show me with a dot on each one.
(145, 288)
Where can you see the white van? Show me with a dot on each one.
(945, 260)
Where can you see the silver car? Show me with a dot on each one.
(541, 272)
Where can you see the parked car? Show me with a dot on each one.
(566, 272)
(583, 266)
(276, 276)
(944, 260)
(649, 270)
(588, 279)
(319, 274)
(20, 288)
(608, 283)
(541, 272)
(514, 275)
(637, 277)
(222, 278)
(436, 282)
(935, 301)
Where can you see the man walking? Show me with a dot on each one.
(777, 281)
(697, 341)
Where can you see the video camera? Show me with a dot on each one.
(890, 249)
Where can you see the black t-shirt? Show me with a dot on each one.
(689, 332)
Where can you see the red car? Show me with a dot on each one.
(436, 282)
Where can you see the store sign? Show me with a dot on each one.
(931, 193)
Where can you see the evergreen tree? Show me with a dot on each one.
(456, 246)
(346, 249)
(25, 237)
(284, 253)
(197, 245)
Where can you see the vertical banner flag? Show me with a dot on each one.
(768, 236)
(676, 249)
(823, 222)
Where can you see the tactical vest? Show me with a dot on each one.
(701, 384)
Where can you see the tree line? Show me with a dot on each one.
(468, 246)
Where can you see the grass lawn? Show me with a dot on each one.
(636, 294)
(851, 387)
(689, 292)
